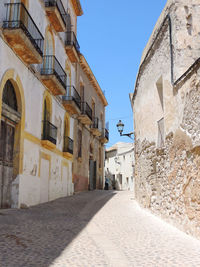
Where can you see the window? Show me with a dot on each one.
(9, 96)
(100, 158)
(93, 109)
(161, 133)
(160, 123)
(159, 85)
(82, 93)
(47, 113)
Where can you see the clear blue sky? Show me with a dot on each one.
(112, 35)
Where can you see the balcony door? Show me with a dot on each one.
(46, 111)
(82, 93)
(93, 109)
(49, 52)
(13, 14)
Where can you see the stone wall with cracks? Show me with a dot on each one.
(168, 178)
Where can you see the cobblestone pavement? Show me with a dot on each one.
(100, 228)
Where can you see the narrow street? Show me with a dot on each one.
(100, 228)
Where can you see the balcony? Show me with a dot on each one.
(72, 101)
(49, 135)
(86, 114)
(56, 14)
(104, 138)
(53, 75)
(68, 147)
(72, 47)
(22, 34)
(96, 127)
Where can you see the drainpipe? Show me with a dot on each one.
(171, 49)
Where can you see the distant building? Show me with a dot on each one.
(166, 107)
(119, 166)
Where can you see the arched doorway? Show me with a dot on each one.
(10, 118)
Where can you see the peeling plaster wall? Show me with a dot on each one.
(168, 177)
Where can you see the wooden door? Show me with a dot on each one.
(92, 175)
(91, 171)
(7, 134)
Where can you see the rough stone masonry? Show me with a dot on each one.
(167, 90)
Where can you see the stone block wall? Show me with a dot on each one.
(168, 178)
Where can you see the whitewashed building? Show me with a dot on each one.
(37, 54)
(119, 166)
(39, 92)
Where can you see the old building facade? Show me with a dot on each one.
(90, 133)
(166, 118)
(119, 166)
(40, 58)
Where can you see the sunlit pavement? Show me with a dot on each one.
(100, 228)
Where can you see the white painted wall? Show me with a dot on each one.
(120, 162)
(32, 190)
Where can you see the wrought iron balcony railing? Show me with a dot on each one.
(86, 109)
(72, 40)
(106, 132)
(17, 17)
(68, 145)
(60, 7)
(72, 95)
(49, 132)
(51, 66)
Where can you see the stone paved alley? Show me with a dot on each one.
(100, 228)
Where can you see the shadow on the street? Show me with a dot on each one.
(38, 235)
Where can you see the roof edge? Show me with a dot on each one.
(86, 68)
(152, 39)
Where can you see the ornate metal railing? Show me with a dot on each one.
(106, 134)
(17, 17)
(49, 132)
(72, 95)
(51, 66)
(60, 7)
(71, 40)
(86, 109)
(68, 145)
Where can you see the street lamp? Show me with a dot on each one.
(120, 128)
